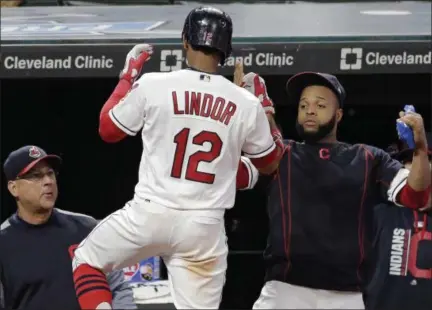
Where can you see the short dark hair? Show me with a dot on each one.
(210, 51)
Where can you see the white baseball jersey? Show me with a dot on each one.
(194, 127)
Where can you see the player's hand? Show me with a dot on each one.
(256, 85)
(135, 60)
(238, 74)
(415, 121)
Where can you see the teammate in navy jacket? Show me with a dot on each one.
(321, 198)
(402, 277)
(35, 264)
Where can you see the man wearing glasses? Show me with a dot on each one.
(35, 270)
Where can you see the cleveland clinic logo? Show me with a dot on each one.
(171, 60)
(351, 58)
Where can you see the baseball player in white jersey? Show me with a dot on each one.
(195, 124)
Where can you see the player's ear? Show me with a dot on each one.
(185, 44)
(13, 188)
(339, 115)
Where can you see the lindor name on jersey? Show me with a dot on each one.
(203, 105)
(400, 252)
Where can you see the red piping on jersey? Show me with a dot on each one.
(360, 232)
(413, 199)
(288, 148)
(283, 212)
(108, 131)
(286, 237)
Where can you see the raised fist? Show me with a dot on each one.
(135, 60)
(415, 121)
(256, 85)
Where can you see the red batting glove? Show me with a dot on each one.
(135, 60)
(256, 85)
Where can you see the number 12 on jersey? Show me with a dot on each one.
(192, 173)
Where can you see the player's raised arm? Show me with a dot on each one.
(264, 144)
(409, 188)
(123, 112)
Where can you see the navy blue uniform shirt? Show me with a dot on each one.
(319, 208)
(36, 269)
(402, 277)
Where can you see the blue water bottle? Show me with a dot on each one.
(405, 133)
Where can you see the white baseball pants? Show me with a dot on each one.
(191, 243)
(280, 295)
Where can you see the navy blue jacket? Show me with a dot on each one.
(36, 269)
(320, 211)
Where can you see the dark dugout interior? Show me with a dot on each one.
(61, 116)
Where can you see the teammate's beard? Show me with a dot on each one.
(322, 132)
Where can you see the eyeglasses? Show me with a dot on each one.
(38, 175)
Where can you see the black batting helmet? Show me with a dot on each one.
(209, 27)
